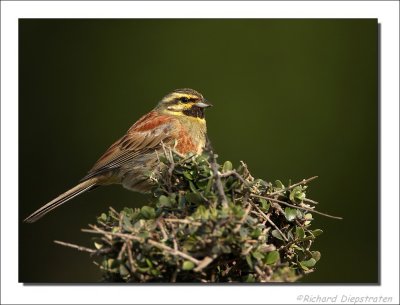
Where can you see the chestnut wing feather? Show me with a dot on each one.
(138, 141)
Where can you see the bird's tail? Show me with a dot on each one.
(63, 198)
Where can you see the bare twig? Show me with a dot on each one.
(266, 217)
(246, 213)
(185, 221)
(218, 182)
(121, 252)
(304, 181)
(79, 248)
(212, 280)
(247, 251)
(130, 256)
(310, 201)
(216, 174)
(278, 207)
(236, 174)
(258, 270)
(121, 218)
(296, 207)
(173, 251)
(114, 211)
(109, 235)
(104, 224)
(174, 276)
(162, 229)
(172, 165)
(203, 263)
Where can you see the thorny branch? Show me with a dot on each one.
(296, 206)
(217, 175)
(79, 248)
(302, 182)
(266, 217)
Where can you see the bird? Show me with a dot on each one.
(178, 122)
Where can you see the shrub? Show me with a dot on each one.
(209, 223)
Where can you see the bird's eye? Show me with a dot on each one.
(184, 99)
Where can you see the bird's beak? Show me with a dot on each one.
(203, 104)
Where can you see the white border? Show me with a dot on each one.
(387, 14)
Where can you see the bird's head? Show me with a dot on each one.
(186, 102)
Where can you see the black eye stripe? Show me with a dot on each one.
(184, 99)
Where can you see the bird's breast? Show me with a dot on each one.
(191, 137)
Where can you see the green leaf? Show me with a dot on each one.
(276, 234)
(98, 245)
(163, 159)
(290, 214)
(202, 159)
(300, 196)
(243, 232)
(201, 212)
(316, 255)
(290, 235)
(142, 269)
(308, 263)
(187, 265)
(143, 235)
(294, 246)
(103, 217)
(164, 201)
(194, 198)
(299, 214)
(126, 223)
(209, 185)
(249, 261)
(272, 257)
(300, 232)
(264, 205)
(111, 263)
(256, 233)
(139, 224)
(123, 271)
(128, 212)
(257, 255)
(308, 216)
(192, 187)
(226, 249)
(279, 184)
(297, 194)
(249, 279)
(317, 232)
(227, 166)
(155, 272)
(187, 175)
(148, 212)
(149, 263)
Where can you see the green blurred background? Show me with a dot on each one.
(292, 98)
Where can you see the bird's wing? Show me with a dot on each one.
(144, 136)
